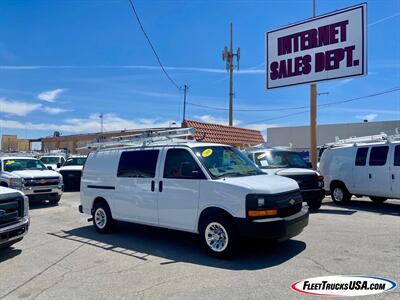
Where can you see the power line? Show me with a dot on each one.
(152, 47)
(298, 107)
(331, 103)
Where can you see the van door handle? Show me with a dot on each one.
(393, 176)
(153, 184)
(160, 186)
(370, 176)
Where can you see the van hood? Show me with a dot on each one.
(35, 173)
(265, 184)
(289, 171)
(71, 168)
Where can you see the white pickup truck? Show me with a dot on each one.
(30, 176)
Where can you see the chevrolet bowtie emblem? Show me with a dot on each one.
(2, 212)
(292, 201)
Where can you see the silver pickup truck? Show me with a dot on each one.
(30, 176)
(14, 216)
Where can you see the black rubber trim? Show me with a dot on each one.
(104, 187)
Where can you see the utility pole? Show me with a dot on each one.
(185, 89)
(313, 117)
(101, 122)
(228, 57)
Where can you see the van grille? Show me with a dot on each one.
(305, 182)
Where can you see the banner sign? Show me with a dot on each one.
(331, 46)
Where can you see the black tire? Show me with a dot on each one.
(340, 194)
(101, 211)
(223, 226)
(378, 200)
(314, 204)
(54, 200)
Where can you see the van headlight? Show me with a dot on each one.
(26, 206)
(60, 180)
(16, 183)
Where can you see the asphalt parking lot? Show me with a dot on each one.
(63, 257)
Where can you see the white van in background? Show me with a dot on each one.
(366, 166)
(204, 188)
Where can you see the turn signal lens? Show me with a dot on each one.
(262, 213)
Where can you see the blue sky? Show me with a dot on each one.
(63, 62)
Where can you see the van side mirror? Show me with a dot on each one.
(49, 168)
(58, 165)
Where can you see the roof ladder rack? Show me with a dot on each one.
(382, 137)
(143, 139)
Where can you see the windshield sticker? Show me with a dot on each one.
(207, 152)
(263, 163)
(262, 155)
(10, 162)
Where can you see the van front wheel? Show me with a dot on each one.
(102, 219)
(219, 236)
(340, 194)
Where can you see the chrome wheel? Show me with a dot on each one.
(216, 237)
(338, 194)
(100, 218)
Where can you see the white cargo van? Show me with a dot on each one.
(210, 189)
(367, 166)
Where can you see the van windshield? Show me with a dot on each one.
(279, 159)
(224, 161)
(50, 159)
(11, 165)
(75, 161)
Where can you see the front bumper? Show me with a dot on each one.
(274, 228)
(40, 190)
(314, 194)
(14, 231)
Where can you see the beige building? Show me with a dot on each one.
(11, 143)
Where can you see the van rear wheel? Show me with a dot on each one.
(340, 194)
(378, 200)
(102, 219)
(219, 236)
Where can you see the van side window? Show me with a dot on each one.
(138, 164)
(361, 156)
(378, 155)
(180, 164)
(397, 156)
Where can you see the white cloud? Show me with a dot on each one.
(50, 96)
(90, 124)
(17, 108)
(369, 117)
(214, 120)
(54, 110)
(251, 70)
(384, 19)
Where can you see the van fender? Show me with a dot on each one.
(210, 207)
